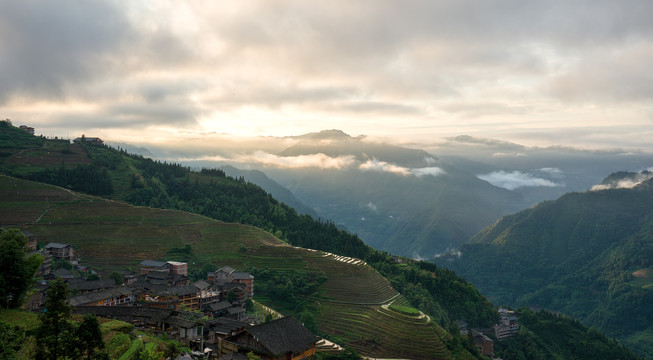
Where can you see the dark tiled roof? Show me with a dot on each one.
(222, 305)
(242, 276)
(182, 290)
(152, 263)
(234, 286)
(283, 335)
(235, 310)
(56, 245)
(99, 295)
(225, 326)
(226, 269)
(153, 314)
(158, 275)
(201, 284)
(63, 273)
(91, 285)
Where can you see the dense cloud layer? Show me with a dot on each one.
(572, 72)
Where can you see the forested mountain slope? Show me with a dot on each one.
(115, 174)
(589, 255)
(397, 199)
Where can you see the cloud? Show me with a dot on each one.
(626, 183)
(288, 162)
(516, 179)
(372, 206)
(432, 171)
(508, 154)
(504, 67)
(382, 166)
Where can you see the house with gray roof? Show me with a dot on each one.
(284, 338)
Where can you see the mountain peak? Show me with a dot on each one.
(333, 134)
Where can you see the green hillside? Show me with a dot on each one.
(353, 302)
(140, 181)
(586, 254)
(110, 235)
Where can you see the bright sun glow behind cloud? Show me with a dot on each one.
(409, 70)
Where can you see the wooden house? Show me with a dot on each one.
(61, 251)
(284, 338)
(244, 278)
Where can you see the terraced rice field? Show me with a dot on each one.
(112, 235)
(352, 281)
(383, 332)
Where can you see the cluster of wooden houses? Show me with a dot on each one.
(208, 315)
(508, 326)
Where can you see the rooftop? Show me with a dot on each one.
(242, 276)
(283, 335)
(54, 245)
(152, 263)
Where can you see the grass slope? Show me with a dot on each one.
(111, 235)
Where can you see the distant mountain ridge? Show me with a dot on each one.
(401, 200)
(586, 254)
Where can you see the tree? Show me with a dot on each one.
(89, 337)
(231, 296)
(249, 305)
(11, 340)
(172, 351)
(55, 335)
(117, 277)
(17, 269)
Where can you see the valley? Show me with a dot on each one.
(360, 282)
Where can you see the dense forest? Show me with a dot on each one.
(542, 334)
(595, 242)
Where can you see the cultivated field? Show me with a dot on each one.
(111, 235)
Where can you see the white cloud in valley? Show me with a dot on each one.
(285, 162)
(626, 183)
(516, 179)
(382, 166)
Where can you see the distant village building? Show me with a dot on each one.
(244, 278)
(61, 251)
(177, 267)
(508, 325)
(172, 267)
(483, 343)
(219, 329)
(92, 140)
(60, 273)
(167, 297)
(27, 128)
(222, 276)
(108, 297)
(284, 338)
(152, 265)
(182, 326)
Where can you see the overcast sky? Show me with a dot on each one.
(534, 72)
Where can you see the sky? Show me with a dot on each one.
(569, 72)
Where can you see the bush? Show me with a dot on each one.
(406, 310)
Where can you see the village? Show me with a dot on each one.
(208, 316)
